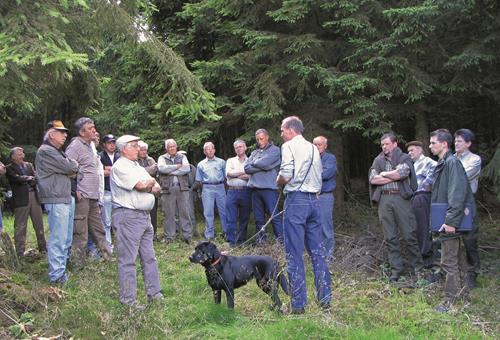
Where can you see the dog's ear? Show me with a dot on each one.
(212, 251)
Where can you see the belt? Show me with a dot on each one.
(390, 192)
(237, 188)
(175, 184)
(421, 192)
(213, 183)
(326, 192)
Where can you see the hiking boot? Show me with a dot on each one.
(61, 280)
(435, 277)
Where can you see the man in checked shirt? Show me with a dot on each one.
(421, 201)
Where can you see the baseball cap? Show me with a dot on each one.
(57, 124)
(109, 138)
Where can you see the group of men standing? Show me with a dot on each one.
(80, 188)
(406, 186)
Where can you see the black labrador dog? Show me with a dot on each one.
(229, 272)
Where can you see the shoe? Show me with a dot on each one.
(297, 311)
(157, 297)
(435, 277)
(187, 240)
(394, 278)
(167, 240)
(471, 280)
(444, 306)
(61, 280)
(326, 307)
(136, 307)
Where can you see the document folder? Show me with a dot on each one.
(438, 213)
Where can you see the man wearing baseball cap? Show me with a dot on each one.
(54, 172)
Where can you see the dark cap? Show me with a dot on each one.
(57, 124)
(109, 138)
(415, 143)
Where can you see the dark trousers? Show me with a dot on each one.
(472, 250)
(21, 214)
(238, 206)
(264, 201)
(302, 227)
(421, 204)
(397, 221)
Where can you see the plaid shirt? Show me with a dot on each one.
(404, 172)
(424, 168)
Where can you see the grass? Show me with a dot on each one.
(363, 307)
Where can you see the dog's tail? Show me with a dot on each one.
(284, 282)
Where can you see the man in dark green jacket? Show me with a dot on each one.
(452, 187)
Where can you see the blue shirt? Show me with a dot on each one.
(329, 173)
(263, 165)
(211, 170)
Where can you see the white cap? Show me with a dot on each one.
(127, 139)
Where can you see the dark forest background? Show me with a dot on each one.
(218, 70)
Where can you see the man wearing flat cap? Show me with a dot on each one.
(109, 156)
(133, 191)
(421, 201)
(54, 172)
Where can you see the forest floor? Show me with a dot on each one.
(364, 305)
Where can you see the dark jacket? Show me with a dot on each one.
(452, 187)
(106, 161)
(20, 183)
(406, 186)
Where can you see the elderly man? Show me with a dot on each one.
(149, 164)
(21, 176)
(300, 172)
(326, 198)
(2, 172)
(393, 182)
(54, 172)
(210, 174)
(239, 199)
(133, 191)
(263, 164)
(87, 211)
(450, 187)
(193, 196)
(109, 156)
(472, 165)
(421, 201)
(174, 170)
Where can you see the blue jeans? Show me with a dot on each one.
(212, 195)
(61, 216)
(326, 202)
(302, 226)
(238, 205)
(264, 201)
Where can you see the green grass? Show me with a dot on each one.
(363, 307)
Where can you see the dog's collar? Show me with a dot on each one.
(217, 261)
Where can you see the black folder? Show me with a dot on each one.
(438, 213)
